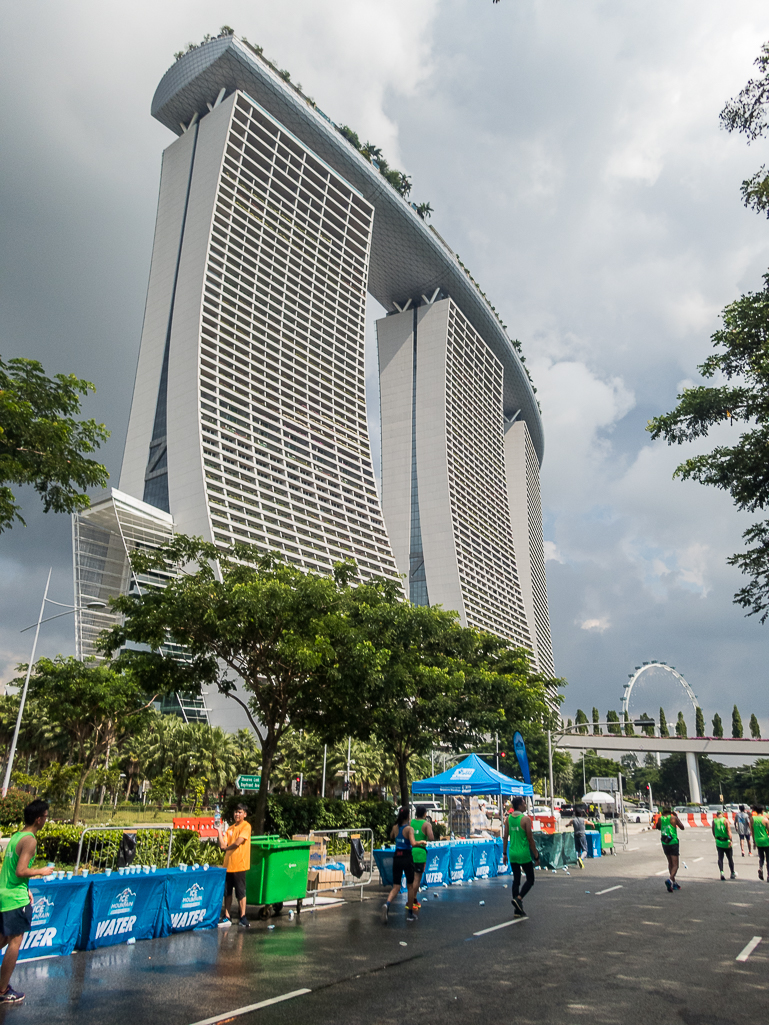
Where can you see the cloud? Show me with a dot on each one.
(595, 624)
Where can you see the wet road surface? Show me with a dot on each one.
(625, 952)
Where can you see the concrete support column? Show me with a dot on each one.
(695, 790)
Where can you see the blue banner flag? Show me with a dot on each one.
(461, 862)
(57, 915)
(519, 746)
(123, 908)
(193, 900)
(436, 871)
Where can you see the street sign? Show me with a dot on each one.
(604, 783)
(248, 782)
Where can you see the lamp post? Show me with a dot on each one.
(70, 609)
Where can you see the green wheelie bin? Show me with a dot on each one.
(278, 870)
(606, 829)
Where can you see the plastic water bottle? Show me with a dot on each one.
(217, 817)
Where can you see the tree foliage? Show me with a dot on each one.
(613, 718)
(755, 729)
(42, 443)
(718, 726)
(740, 367)
(699, 723)
(736, 723)
(581, 720)
(681, 729)
(596, 719)
(95, 705)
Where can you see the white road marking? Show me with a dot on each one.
(252, 1007)
(697, 859)
(629, 849)
(748, 950)
(482, 932)
(598, 893)
(664, 872)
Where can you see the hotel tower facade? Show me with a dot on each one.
(248, 419)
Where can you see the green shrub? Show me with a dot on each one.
(12, 807)
(288, 815)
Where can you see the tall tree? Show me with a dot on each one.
(629, 731)
(755, 729)
(647, 729)
(281, 631)
(699, 722)
(581, 721)
(664, 730)
(95, 705)
(718, 726)
(613, 718)
(42, 443)
(596, 719)
(741, 367)
(681, 730)
(736, 723)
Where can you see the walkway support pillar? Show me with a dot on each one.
(695, 790)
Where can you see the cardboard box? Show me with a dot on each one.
(318, 849)
(324, 879)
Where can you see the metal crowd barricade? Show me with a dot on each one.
(364, 834)
(98, 852)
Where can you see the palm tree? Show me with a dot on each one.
(424, 210)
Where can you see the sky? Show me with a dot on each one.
(573, 157)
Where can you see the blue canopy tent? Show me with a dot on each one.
(472, 777)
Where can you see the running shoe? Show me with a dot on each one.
(410, 917)
(518, 905)
(224, 922)
(385, 913)
(244, 923)
(11, 996)
(733, 875)
(676, 886)
(417, 905)
(580, 862)
(669, 884)
(760, 873)
(723, 878)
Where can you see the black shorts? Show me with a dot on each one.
(235, 881)
(16, 922)
(419, 866)
(403, 863)
(670, 848)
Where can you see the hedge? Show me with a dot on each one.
(59, 843)
(288, 815)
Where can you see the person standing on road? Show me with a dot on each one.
(579, 825)
(761, 839)
(722, 833)
(236, 844)
(742, 822)
(423, 830)
(403, 864)
(523, 852)
(669, 824)
(15, 898)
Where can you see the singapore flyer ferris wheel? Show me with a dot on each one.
(656, 684)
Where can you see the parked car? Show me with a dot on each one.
(637, 814)
(543, 810)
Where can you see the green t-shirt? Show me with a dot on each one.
(519, 850)
(668, 830)
(721, 833)
(14, 892)
(759, 831)
(418, 854)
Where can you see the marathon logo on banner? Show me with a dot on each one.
(458, 871)
(433, 872)
(192, 913)
(123, 902)
(483, 869)
(42, 910)
(462, 774)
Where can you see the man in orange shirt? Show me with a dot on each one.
(236, 844)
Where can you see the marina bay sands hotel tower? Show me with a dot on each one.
(248, 419)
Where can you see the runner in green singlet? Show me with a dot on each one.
(15, 898)
(423, 830)
(669, 824)
(523, 852)
(723, 836)
(760, 823)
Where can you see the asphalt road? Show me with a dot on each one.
(606, 945)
